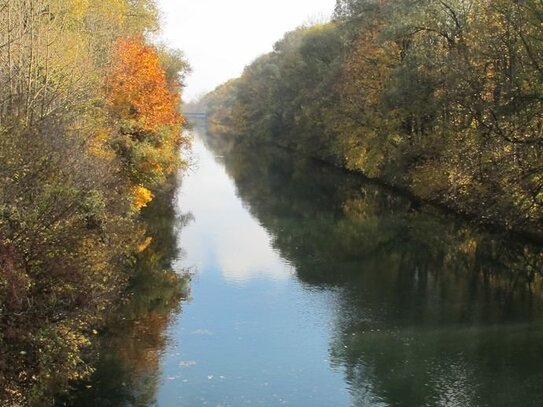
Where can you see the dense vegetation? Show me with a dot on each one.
(127, 368)
(89, 132)
(444, 98)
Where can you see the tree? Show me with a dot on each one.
(146, 107)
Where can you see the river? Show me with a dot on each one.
(312, 287)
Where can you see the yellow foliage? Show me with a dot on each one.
(76, 9)
(427, 180)
(98, 146)
(468, 247)
(145, 244)
(113, 11)
(142, 196)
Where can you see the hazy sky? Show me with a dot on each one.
(220, 37)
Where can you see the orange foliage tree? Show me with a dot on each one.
(145, 107)
(138, 89)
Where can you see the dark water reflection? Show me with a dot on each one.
(315, 288)
(431, 311)
(130, 348)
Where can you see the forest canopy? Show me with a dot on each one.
(442, 98)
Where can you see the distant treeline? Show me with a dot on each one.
(90, 130)
(441, 97)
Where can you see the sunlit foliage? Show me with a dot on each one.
(68, 207)
(443, 98)
(145, 108)
(138, 89)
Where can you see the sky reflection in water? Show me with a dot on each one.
(314, 288)
(251, 334)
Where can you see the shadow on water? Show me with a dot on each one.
(130, 348)
(433, 312)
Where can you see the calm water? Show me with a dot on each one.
(311, 288)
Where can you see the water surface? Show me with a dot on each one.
(312, 287)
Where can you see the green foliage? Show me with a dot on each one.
(440, 97)
(174, 64)
(289, 90)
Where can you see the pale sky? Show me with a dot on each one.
(221, 37)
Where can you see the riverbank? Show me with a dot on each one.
(125, 355)
(474, 218)
(437, 110)
(90, 131)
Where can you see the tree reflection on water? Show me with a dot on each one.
(130, 349)
(433, 311)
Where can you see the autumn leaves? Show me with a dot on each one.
(90, 130)
(145, 107)
(443, 98)
(138, 88)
